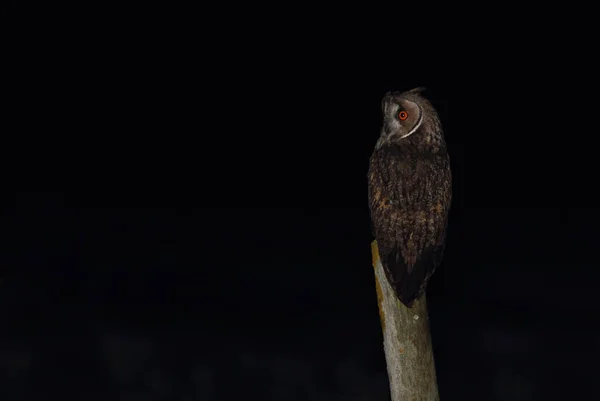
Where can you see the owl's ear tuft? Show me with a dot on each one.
(384, 103)
(417, 90)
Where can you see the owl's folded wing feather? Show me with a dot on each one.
(409, 228)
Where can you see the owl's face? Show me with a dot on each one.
(406, 114)
(401, 117)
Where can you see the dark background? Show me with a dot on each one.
(191, 222)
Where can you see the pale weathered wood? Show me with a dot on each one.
(406, 342)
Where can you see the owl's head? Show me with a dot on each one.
(408, 115)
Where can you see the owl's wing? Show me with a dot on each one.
(409, 216)
(408, 277)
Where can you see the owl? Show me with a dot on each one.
(410, 191)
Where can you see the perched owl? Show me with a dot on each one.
(409, 192)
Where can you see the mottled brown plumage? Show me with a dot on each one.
(409, 192)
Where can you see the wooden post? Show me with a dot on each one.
(406, 342)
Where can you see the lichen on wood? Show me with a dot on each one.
(406, 342)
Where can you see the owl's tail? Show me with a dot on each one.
(408, 286)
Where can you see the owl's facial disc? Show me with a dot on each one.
(410, 116)
(401, 118)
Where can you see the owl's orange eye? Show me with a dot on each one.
(402, 115)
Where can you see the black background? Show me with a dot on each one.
(190, 218)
